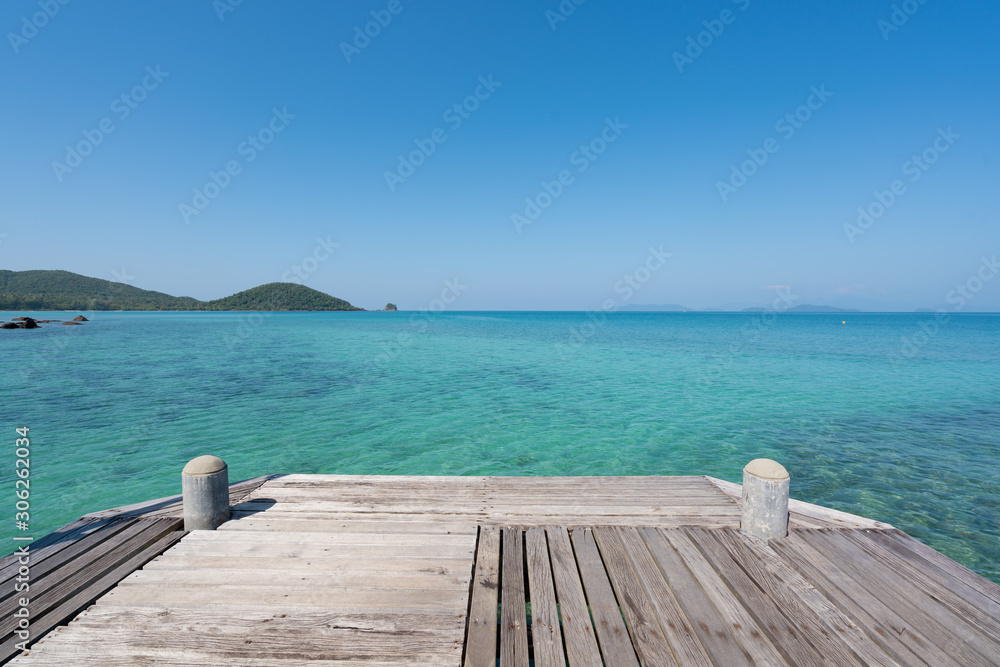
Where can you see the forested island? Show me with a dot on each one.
(63, 290)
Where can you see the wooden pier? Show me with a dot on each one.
(340, 570)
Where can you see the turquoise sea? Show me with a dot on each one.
(890, 416)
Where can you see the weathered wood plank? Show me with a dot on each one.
(76, 599)
(578, 632)
(920, 611)
(481, 644)
(612, 635)
(411, 581)
(257, 642)
(320, 523)
(744, 628)
(677, 627)
(48, 592)
(880, 621)
(947, 566)
(51, 544)
(513, 619)
(235, 619)
(648, 639)
(276, 596)
(841, 641)
(976, 608)
(546, 637)
(790, 637)
(346, 563)
(684, 610)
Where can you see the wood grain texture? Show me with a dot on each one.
(578, 631)
(481, 645)
(612, 634)
(546, 635)
(513, 618)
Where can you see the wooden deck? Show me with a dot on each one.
(341, 570)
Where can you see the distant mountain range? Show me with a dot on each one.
(674, 308)
(62, 290)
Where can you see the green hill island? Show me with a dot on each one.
(63, 290)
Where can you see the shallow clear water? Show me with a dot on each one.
(117, 407)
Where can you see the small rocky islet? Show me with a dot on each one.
(32, 323)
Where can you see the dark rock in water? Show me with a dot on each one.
(19, 319)
(78, 324)
(10, 325)
(80, 318)
(29, 323)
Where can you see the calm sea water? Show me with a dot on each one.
(905, 432)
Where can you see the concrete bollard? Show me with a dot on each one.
(765, 499)
(205, 485)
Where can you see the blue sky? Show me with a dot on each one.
(203, 81)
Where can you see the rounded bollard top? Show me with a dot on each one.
(204, 465)
(766, 469)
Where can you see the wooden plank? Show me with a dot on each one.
(839, 638)
(975, 609)
(256, 642)
(881, 622)
(947, 565)
(48, 591)
(349, 563)
(546, 637)
(919, 610)
(744, 627)
(513, 619)
(241, 576)
(691, 622)
(791, 638)
(276, 522)
(76, 599)
(612, 634)
(51, 569)
(481, 642)
(648, 639)
(278, 549)
(578, 632)
(51, 544)
(236, 619)
(677, 627)
(361, 539)
(275, 596)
